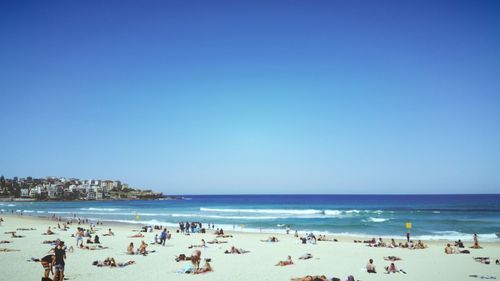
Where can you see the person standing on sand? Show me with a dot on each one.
(60, 256)
(408, 236)
(163, 237)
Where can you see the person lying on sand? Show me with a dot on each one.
(485, 260)
(14, 235)
(286, 262)
(203, 245)
(26, 229)
(392, 269)
(311, 278)
(271, 239)
(235, 250)
(392, 258)
(370, 267)
(110, 262)
(138, 235)
(92, 248)
(215, 241)
(305, 257)
(182, 257)
(5, 242)
(224, 236)
(8, 250)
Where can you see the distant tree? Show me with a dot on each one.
(2, 181)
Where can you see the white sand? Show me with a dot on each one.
(334, 259)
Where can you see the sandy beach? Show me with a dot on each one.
(333, 259)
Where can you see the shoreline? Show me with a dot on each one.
(264, 231)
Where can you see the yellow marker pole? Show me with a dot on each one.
(137, 218)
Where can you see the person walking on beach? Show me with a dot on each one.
(408, 236)
(60, 256)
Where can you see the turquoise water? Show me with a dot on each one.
(432, 216)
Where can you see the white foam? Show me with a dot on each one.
(372, 219)
(100, 209)
(265, 211)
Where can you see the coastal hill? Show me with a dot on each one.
(60, 188)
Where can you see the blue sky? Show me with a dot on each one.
(197, 97)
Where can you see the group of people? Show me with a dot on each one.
(370, 267)
(381, 243)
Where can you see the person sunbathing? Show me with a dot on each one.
(224, 236)
(235, 250)
(311, 278)
(485, 260)
(215, 241)
(138, 235)
(392, 269)
(26, 229)
(420, 245)
(14, 235)
(204, 269)
(392, 258)
(305, 257)
(271, 239)
(5, 242)
(8, 250)
(92, 248)
(286, 262)
(203, 245)
(182, 257)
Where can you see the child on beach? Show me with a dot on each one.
(370, 267)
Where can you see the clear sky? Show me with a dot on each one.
(191, 97)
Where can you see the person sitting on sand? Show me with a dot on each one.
(49, 232)
(130, 249)
(143, 248)
(110, 233)
(448, 249)
(286, 262)
(459, 244)
(311, 278)
(420, 245)
(370, 267)
(233, 250)
(96, 240)
(138, 235)
(392, 244)
(204, 269)
(380, 242)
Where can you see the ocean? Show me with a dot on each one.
(431, 216)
